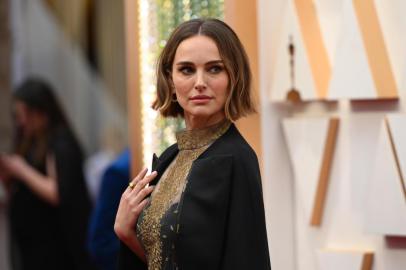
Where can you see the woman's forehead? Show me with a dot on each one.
(197, 49)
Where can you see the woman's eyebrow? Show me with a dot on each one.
(181, 63)
(215, 62)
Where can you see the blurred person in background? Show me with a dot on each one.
(112, 144)
(103, 243)
(48, 203)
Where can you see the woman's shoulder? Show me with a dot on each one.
(233, 143)
(62, 134)
(64, 141)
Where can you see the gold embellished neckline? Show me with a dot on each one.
(197, 138)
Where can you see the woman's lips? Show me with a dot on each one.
(200, 99)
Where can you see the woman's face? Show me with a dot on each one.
(200, 81)
(30, 121)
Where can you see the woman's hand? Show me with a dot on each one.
(4, 174)
(5, 177)
(132, 203)
(43, 185)
(15, 166)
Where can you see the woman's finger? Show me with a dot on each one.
(141, 206)
(140, 175)
(148, 179)
(135, 180)
(135, 200)
(142, 183)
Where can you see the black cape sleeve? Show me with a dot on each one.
(74, 203)
(222, 225)
(246, 244)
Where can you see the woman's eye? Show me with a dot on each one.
(215, 69)
(186, 70)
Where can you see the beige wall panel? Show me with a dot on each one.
(345, 224)
(72, 16)
(246, 30)
(396, 127)
(375, 48)
(351, 77)
(355, 65)
(312, 59)
(311, 144)
(392, 20)
(386, 207)
(133, 84)
(322, 187)
(281, 81)
(315, 47)
(111, 49)
(343, 259)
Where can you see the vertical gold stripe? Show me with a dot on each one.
(377, 54)
(329, 147)
(247, 31)
(133, 83)
(395, 154)
(367, 261)
(315, 48)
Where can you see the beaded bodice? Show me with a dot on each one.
(158, 224)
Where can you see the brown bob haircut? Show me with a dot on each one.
(239, 101)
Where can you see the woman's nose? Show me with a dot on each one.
(200, 83)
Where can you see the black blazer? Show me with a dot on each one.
(222, 223)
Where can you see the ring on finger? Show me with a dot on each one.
(131, 185)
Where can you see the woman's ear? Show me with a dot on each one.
(169, 77)
(171, 84)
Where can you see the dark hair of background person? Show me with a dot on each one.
(38, 96)
(60, 230)
(239, 101)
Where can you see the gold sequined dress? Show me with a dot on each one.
(158, 225)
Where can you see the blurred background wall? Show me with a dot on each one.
(5, 116)
(346, 225)
(58, 40)
(5, 74)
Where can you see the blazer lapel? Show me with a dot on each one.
(155, 161)
(160, 164)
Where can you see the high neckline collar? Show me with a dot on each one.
(197, 138)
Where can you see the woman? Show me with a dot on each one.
(49, 204)
(206, 209)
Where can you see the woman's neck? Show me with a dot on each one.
(194, 122)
